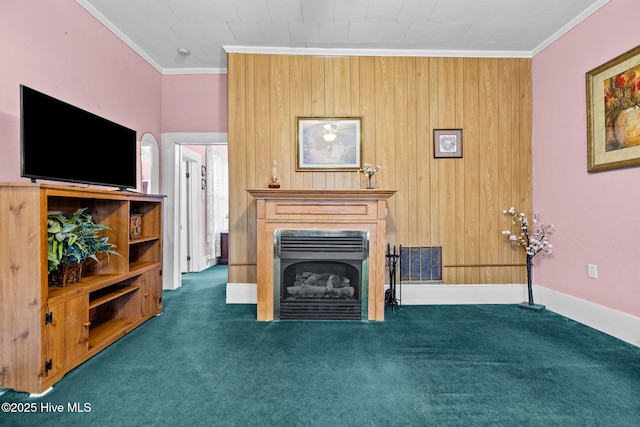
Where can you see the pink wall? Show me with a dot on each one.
(597, 216)
(194, 103)
(60, 49)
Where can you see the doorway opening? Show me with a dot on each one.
(195, 182)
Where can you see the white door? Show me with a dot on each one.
(190, 207)
(186, 251)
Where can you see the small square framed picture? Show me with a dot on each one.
(447, 143)
(135, 228)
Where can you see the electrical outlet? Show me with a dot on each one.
(592, 271)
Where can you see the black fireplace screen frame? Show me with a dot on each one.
(302, 247)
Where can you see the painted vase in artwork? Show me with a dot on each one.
(626, 131)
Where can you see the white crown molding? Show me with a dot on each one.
(574, 22)
(100, 17)
(165, 71)
(168, 71)
(275, 50)
(341, 51)
(196, 138)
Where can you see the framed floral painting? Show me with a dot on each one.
(329, 144)
(613, 113)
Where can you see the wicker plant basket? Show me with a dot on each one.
(65, 275)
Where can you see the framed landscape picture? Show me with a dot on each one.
(329, 144)
(447, 143)
(613, 113)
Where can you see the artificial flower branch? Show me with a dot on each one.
(531, 239)
(369, 171)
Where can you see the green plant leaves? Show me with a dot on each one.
(75, 239)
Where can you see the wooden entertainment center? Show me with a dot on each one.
(44, 331)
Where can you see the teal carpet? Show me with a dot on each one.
(207, 363)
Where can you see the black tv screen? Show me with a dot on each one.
(61, 142)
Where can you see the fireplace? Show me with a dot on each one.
(322, 212)
(320, 274)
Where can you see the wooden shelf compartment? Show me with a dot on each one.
(151, 218)
(112, 213)
(113, 310)
(105, 295)
(140, 267)
(95, 283)
(143, 240)
(146, 251)
(88, 283)
(105, 333)
(107, 212)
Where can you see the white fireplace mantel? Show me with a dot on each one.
(321, 209)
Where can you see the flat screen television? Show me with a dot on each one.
(61, 142)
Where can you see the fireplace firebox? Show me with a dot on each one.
(320, 275)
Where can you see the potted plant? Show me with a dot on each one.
(72, 241)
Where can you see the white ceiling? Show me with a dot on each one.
(156, 29)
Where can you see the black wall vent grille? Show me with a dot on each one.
(313, 245)
(421, 264)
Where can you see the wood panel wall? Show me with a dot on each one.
(453, 203)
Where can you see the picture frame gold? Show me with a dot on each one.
(328, 144)
(613, 113)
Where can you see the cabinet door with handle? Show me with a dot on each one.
(67, 328)
(152, 293)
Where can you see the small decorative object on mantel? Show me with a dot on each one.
(135, 226)
(369, 171)
(274, 176)
(532, 239)
(72, 241)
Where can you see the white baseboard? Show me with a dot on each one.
(430, 294)
(615, 323)
(416, 294)
(242, 293)
(604, 319)
(39, 395)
